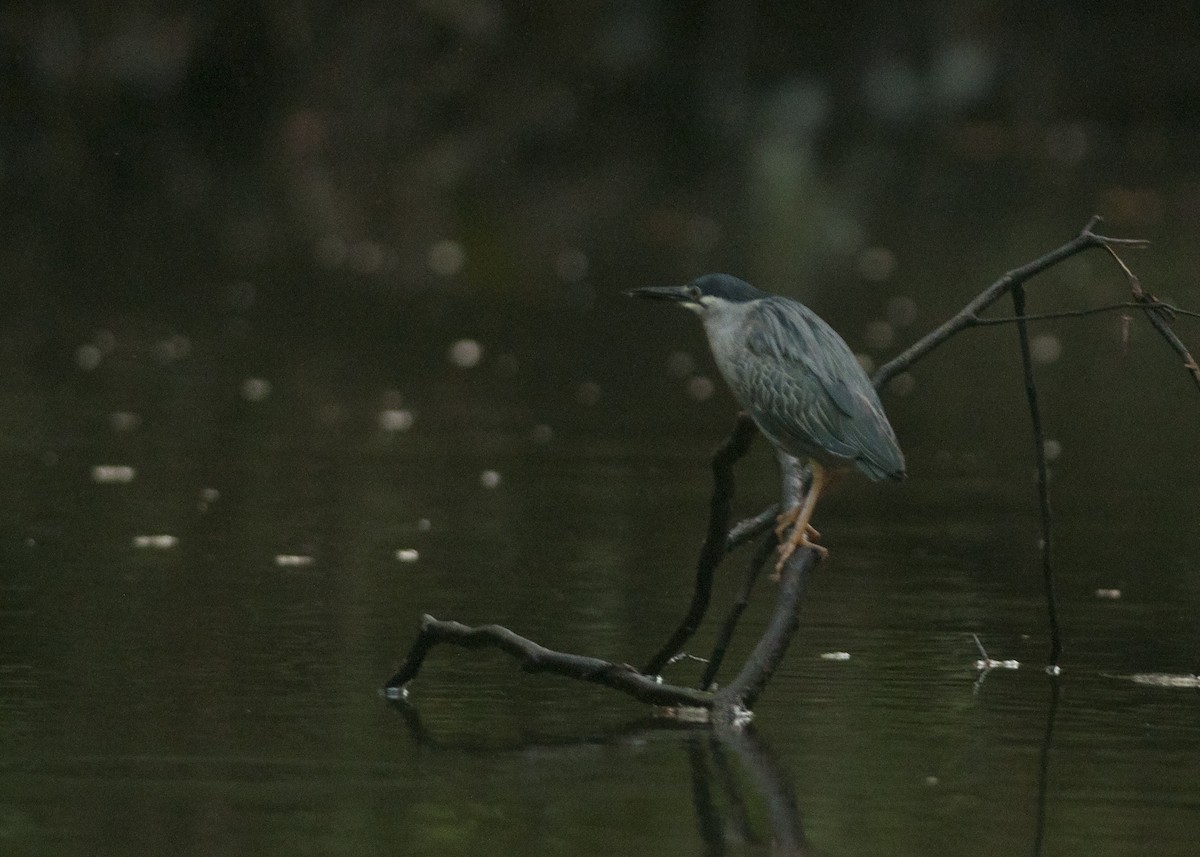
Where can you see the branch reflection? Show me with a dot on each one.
(1039, 829)
(723, 793)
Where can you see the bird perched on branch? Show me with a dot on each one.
(799, 382)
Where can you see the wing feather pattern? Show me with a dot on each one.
(806, 390)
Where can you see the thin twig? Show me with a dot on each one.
(1157, 317)
(735, 612)
(968, 315)
(714, 548)
(1039, 447)
(1081, 313)
(744, 690)
(749, 529)
(983, 655)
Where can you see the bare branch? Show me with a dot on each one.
(741, 601)
(1158, 317)
(969, 315)
(749, 529)
(536, 659)
(744, 690)
(1081, 313)
(715, 542)
(1039, 452)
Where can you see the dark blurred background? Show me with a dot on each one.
(360, 185)
(154, 152)
(311, 323)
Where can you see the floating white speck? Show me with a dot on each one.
(1108, 594)
(424, 525)
(160, 541)
(446, 258)
(932, 781)
(293, 560)
(700, 388)
(1164, 679)
(124, 421)
(1052, 449)
(208, 496)
(992, 664)
(465, 353)
(1045, 348)
(255, 389)
(408, 555)
(88, 357)
(866, 361)
(396, 419)
(489, 479)
(835, 656)
(113, 473)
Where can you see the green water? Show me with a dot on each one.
(312, 324)
(218, 691)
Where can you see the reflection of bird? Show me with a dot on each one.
(799, 382)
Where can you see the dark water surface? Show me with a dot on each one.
(192, 657)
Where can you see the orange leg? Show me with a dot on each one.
(798, 518)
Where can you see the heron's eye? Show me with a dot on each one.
(694, 294)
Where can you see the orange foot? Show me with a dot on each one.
(800, 539)
(784, 521)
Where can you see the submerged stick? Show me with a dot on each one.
(1039, 451)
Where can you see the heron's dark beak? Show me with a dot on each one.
(662, 293)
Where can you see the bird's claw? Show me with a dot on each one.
(786, 520)
(789, 547)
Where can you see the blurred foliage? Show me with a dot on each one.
(151, 149)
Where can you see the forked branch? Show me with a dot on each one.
(727, 707)
(731, 703)
(969, 315)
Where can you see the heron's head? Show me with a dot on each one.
(710, 292)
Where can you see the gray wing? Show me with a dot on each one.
(805, 389)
